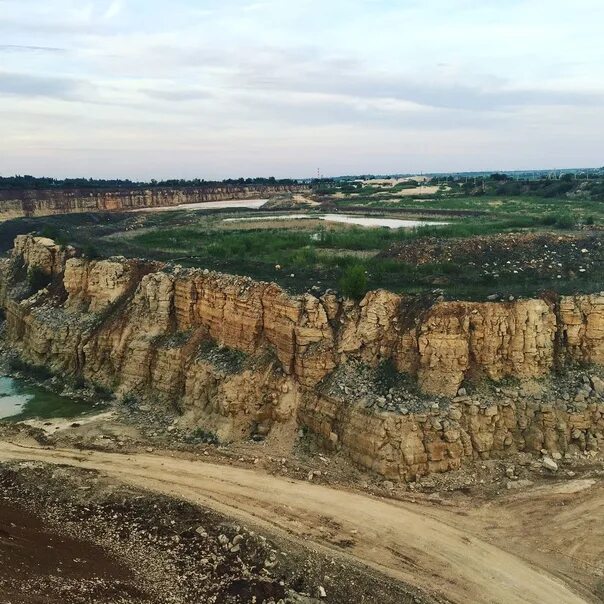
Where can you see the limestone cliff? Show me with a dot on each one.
(239, 357)
(36, 202)
(441, 438)
(42, 254)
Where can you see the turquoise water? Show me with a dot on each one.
(20, 400)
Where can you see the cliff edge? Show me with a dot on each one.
(243, 358)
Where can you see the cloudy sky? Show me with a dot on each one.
(220, 88)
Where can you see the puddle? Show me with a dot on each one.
(282, 217)
(391, 223)
(21, 401)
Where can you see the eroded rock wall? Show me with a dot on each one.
(145, 328)
(42, 254)
(441, 439)
(14, 204)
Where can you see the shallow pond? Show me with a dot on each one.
(20, 400)
(391, 223)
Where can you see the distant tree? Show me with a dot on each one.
(31, 182)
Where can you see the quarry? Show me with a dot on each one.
(437, 438)
(301, 302)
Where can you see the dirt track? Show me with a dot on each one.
(438, 551)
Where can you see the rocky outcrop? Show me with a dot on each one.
(582, 318)
(42, 254)
(497, 340)
(93, 285)
(36, 202)
(242, 357)
(442, 438)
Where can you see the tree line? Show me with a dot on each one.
(44, 182)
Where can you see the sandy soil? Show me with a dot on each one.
(519, 549)
(427, 190)
(208, 205)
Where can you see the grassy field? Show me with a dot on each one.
(495, 207)
(319, 257)
(303, 255)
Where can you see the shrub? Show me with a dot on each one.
(37, 279)
(90, 251)
(52, 232)
(565, 221)
(354, 282)
(79, 383)
(102, 390)
(130, 401)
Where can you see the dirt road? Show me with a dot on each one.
(424, 550)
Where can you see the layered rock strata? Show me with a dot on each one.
(37, 202)
(167, 333)
(442, 438)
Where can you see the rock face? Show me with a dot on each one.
(583, 327)
(92, 285)
(41, 253)
(240, 357)
(407, 446)
(34, 202)
(499, 340)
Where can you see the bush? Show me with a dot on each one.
(565, 221)
(90, 252)
(37, 279)
(102, 390)
(354, 282)
(52, 232)
(130, 401)
(79, 383)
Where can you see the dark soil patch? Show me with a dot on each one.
(540, 253)
(152, 549)
(39, 565)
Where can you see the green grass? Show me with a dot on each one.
(302, 247)
(495, 207)
(320, 256)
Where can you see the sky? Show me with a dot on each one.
(226, 88)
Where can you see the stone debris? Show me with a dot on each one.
(549, 464)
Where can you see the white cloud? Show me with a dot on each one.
(227, 87)
(113, 10)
